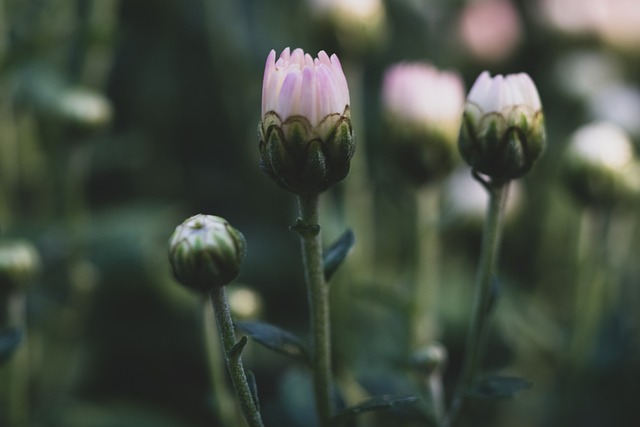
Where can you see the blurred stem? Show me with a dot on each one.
(79, 43)
(358, 196)
(224, 402)
(309, 230)
(15, 373)
(492, 234)
(425, 292)
(232, 357)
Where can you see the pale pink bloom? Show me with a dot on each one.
(298, 85)
(424, 97)
(490, 29)
(620, 24)
(573, 16)
(515, 93)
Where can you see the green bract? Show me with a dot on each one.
(206, 252)
(299, 159)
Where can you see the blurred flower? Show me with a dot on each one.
(245, 303)
(306, 139)
(490, 29)
(205, 252)
(357, 23)
(584, 73)
(573, 17)
(19, 263)
(600, 167)
(620, 24)
(503, 127)
(423, 110)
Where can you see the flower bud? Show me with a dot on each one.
(305, 135)
(600, 168)
(19, 262)
(422, 108)
(503, 126)
(206, 252)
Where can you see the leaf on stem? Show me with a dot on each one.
(237, 348)
(253, 387)
(374, 404)
(335, 254)
(9, 342)
(276, 339)
(499, 387)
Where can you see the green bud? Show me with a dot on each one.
(206, 252)
(305, 159)
(19, 263)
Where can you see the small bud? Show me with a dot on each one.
(206, 252)
(422, 107)
(503, 126)
(600, 168)
(430, 358)
(19, 263)
(305, 135)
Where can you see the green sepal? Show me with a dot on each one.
(10, 340)
(335, 254)
(276, 339)
(499, 387)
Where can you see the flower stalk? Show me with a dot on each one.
(232, 356)
(309, 230)
(484, 296)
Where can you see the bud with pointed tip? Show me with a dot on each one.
(205, 252)
(503, 126)
(305, 134)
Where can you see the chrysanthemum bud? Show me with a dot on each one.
(600, 168)
(503, 126)
(19, 262)
(422, 108)
(206, 252)
(306, 139)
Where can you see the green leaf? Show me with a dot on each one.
(336, 253)
(499, 387)
(9, 342)
(275, 339)
(375, 404)
(253, 387)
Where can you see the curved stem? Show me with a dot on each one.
(309, 230)
(491, 237)
(232, 357)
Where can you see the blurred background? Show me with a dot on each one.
(119, 119)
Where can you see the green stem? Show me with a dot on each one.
(309, 231)
(425, 293)
(482, 302)
(234, 361)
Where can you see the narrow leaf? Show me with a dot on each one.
(237, 348)
(9, 342)
(335, 254)
(375, 404)
(275, 339)
(499, 387)
(253, 387)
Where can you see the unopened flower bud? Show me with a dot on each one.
(305, 135)
(503, 126)
(206, 252)
(600, 168)
(422, 107)
(19, 263)
(430, 358)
